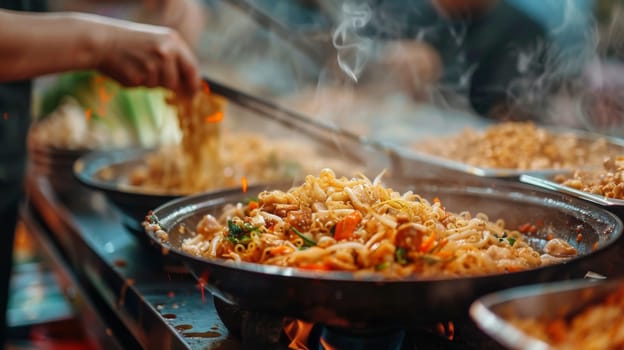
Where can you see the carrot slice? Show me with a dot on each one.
(346, 227)
(428, 244)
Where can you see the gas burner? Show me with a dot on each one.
(258, 330)
(368, 339)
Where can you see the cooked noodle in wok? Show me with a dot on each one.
(210, 156)
(332, 223)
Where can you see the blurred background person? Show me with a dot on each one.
(502, 57)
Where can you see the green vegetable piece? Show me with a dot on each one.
(400, 256)
(237, 234)
(250, 199)
(306, 241)
(382, 266)
(511, 241)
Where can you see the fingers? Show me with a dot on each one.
(170, 74)
(190, 77)
(153, 58)
(176, 67)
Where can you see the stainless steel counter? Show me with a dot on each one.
(144, 302)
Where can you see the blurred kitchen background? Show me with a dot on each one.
(397, 69)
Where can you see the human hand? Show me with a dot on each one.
(145, 55)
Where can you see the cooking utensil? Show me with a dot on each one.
(551, 300)
(409, 153)
(341, 299)
(108, 171)
(545, 181)
(287, 117)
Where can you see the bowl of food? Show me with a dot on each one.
(359, 252)
(510, 149)
(579, 314)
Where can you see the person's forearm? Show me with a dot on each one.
(134, 54)
(38, 44)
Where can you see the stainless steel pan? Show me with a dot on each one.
(341, 299)
(551, 300)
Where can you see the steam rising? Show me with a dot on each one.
(353, 49)
(556, 81)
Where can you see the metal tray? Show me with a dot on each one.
(544, 181)
(421, 159)
(560, 299)
(345, 299)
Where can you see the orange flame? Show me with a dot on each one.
(298, 332)
(244, 183)
(446, 330)
(215, 117)
(88, 114)
(201, 284)
(5, 116)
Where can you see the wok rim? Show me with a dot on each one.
(482, 313)
(502, 173)
(576, 205)
(86, 166)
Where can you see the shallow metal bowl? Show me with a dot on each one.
(413, 158)
(132, 201)
(550, 300)
(545, 181)
(345, 299)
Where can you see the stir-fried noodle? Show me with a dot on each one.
(331, 223)
(211, 156)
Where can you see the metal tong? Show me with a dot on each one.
(289, 118)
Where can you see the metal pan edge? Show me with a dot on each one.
(483, 311)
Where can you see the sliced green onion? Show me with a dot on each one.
(306, 241)
(400, 256)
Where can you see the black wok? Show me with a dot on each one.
(340, 299)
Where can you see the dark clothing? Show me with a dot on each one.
(15, 115)
(484, 57)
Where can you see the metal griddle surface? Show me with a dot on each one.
(131, 284)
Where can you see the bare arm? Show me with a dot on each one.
(185, 16)
(134, 54)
